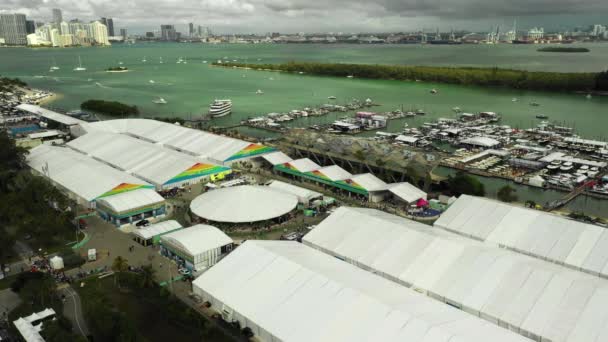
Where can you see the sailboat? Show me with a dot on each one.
(79, 67)
(144, 60)
(54, 66)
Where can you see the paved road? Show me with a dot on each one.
(8, 301)
(72, 310)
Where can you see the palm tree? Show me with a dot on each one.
(119, 265)
(147, 276)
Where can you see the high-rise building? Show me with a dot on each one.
(123, 33)
(99, 32)
(109, 22)
(13, 29)
(57, 17)
(64, 28)
(149, 34)
(168, 33)
(191, 29)
(30, 26)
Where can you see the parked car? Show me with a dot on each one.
(142, 223)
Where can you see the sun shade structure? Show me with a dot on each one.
(163, 167)
(201, 246)
(406, 192)
(131, 202)
(300, 165)
(305, 196)
(243, 204)
(50, 115)
(534, 298)
(332, 173)
(276, 158)
(285, 291)
(216, 148)
(546, 236)
(83, 177)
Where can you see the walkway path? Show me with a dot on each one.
(72, 310)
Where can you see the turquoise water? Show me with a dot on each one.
(189, 88)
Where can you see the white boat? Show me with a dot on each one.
(204, 62)
(54, 66)
(220, 108)
(588, 96)
(151, 81)
(514, 99)
(350, 76)
(161, 60)
(120, 63)
(79, 67)
(259, 92)
(457, 109)
(434, 91)
(331, 97)
(144, 60)
(160, 100)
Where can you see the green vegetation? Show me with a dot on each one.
(30, 206)
(37, 291)
(517, 79)
(507, 194)
(110, 108)
(465, 184)
(141, 311)
(562, 49)
(173, 120)
(7, 84)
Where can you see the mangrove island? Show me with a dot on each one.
(110, 108)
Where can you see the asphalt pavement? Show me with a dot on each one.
(72, 310)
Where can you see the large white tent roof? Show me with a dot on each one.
(287, 291)
(554, 238)
(530, 296)
(276, 158)
(406, 191)
(370, 182)
(481, 141)
(334, 173)
(153, 230)
(131, 200)
(84, 176)
(147, 160)
(241, 204)
(304, 165)
(195, 142)
(197, 239)
(303, 194)
(50, 115)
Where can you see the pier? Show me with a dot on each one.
(569, 197)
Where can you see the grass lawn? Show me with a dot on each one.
(7, 281)
(149, 313)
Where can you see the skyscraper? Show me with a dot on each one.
(99, 32)
(191, 30)
(168, 33)
(109, 22)
(57, 17)
(30, 26)
(13, 29)
(123, 33)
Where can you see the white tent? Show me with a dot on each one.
(200, 245)
(216, 148)
(83, 177)
(305, 196)
(334, 173)
(146, 233)
(276, 158)
(285, 291)
(131, 200)
(546, 236)
(407, 192)
(243, 204)
(532, 297)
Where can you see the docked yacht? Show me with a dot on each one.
(220, 108)
(259, 92)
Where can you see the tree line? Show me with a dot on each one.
(110, 108)
(517, 79)
(29, 204)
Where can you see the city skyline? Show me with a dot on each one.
(329, 16)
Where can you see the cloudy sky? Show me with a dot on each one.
(261, 16)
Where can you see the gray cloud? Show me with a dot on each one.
(315, 15)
